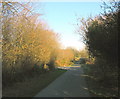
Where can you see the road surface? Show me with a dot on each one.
(69, 84)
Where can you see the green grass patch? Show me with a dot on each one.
(98, 86)
(30, 87)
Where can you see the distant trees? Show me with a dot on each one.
(83, 53)
(65, 57)
(81, 57)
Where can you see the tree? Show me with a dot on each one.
(101, 34)
(65, 56)
(27, 46)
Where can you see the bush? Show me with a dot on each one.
(82, 61)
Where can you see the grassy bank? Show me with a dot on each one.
(98, 86)
(30, 87)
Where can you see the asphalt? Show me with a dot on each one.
(69, 84)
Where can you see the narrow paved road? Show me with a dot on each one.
(69, 84)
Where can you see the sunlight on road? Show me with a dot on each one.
(68, 67)
(88, 76)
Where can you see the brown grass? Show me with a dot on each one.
(99, 86)
(30, 87)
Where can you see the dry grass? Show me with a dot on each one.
(30, 87)
(98, 87)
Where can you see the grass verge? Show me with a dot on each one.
(30, 87)
(97, 87)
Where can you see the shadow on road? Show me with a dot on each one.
(70, 84)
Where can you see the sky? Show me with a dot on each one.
(61, 17)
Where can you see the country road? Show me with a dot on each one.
(69, 84)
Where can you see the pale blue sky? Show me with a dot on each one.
(60, 17)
